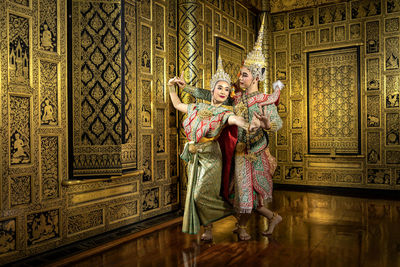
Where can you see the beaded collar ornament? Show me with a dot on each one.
(255, 60)
(220, 75)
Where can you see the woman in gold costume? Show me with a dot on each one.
(203, 125)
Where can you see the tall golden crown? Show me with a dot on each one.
(220, 75)
(255, 60)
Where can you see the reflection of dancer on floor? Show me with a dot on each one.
(203, 125)
(253, 164)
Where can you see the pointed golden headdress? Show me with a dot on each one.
(255, 60)
(220, 75)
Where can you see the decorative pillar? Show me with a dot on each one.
(189, 60)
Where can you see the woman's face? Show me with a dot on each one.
(221, 92)
(245, 78)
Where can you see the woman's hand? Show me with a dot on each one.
(180, 81)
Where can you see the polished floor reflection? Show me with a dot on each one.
(317, 230)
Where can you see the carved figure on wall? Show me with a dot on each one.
(145, 60)
(159, 43)
(392, 100)
(19, 152)
(7, 236)
(355, 31)
(339, 34)
(48, 113)
(146, 117)
(278, 23)
(393, 6)
(46, 38)
(281, 74)
(296, 123)
(19, 61)
(378, 176)
(42, 226)
(373, 85)
(297, 156)
(373, 156)
(392, 137)
(372, 120)
(147, 171)
(324, 36)
(392, 62)
(160, 143)
(171, 69)
(151, 199)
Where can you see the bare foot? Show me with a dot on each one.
(207, 235)
(242, 233)
(272, 223)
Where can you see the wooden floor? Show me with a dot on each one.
(317, 230)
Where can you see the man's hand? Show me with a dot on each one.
(264, 119)
(180, 81)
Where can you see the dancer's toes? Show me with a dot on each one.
(276, 218)
(242, 233)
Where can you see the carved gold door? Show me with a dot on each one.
(334, 101)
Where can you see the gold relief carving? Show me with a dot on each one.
(42, 226)
(145, 9)
(392, 6)
(231, 29)
(233, 58)
(397, 178)
(279, 22)
(392, 91)
(201, 43)
(173, 154)
(355, 32)
(340, 34)
(224, 25)
(293, 173)
(22, 2)
(130, 83)
(301, 19)
(372, 37)
(160, 82)
(8, 238)
(365, 8)
(48, 93)
(171, 55)
(278, 173)
(85, 197)
(170, 194)
(280, 65)
(324, 36)
(311, 38)
(123, 211)
(145, 54)
(392, 24)
(282, 137)
(251, 41)
(208, 67)
(146, 104)
(320, 176)
(159, 14)
(373, 147)
(208, 26)
(378, 176)
(373, 111)
(283, 102)
(85, 221)
(238, 33)
(253, 23)
(20, 130)
(150, 199)
(160, 135)
(20, 190)
(297, 114)
(217, 21)
(228, 7)
(244, 38)
(350, 178)
(295, 47)
(329, 14)
(297, 147)
(392, 53)
(392, 129)
(280, 42)
(160, 169)
(49, 167)
(172, 14)
(336, 165)
(147, 156)
(392, 157)
(296, 82)
(214, 2)
(48, 25)
(282, 156)
(241, 14)
(333, 102)
(19, 50)
(373, 78)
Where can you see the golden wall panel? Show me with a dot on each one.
(20, 190)
(86, 221)
(42, 227)
(49, 167)
(160, 136)
(49, 95)
(9, 229)
(48, 15)
(123, 211)
(374, 155)
(147, 157)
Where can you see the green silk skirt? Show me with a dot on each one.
(203, 204)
